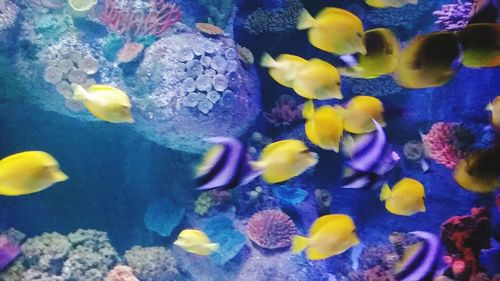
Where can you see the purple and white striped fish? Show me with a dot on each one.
(422, 261)
(226, 165)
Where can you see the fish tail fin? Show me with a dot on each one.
(79, 93)
(385, 193)
(267, 61)
(299, 243)
(306, 21)
(214, 247)
(489, 107)
(308, 110)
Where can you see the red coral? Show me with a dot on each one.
(438, 144)
(271, 229)
(154, 20)
(285, 112)
(465, 236)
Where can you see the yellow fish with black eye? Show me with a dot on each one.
(105, 102)
(334, 30)
(283, 160)
(284, 68)
(382, 53)
(359, 112)
(494, 108)
(390, 3)
(405, 199)
(480, 171)
(329, 235)
(28, 172)
(318, 80)
(324, 126)
(196, 242)
(480, 44)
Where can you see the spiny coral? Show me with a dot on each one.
(454, 16)
(8, 14)
(121, 273)
(274, 20)
(285, 112)
(152, 263)
(271, 229)
(438, 145)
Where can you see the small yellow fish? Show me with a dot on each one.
(324, 127)
(480, 45)
(405, 199)
(494, 107)
(428, 61)
(196, 242)
(359, 112)
(318, 80)
(390, 3)
(329, 235)
(283, 160)
(105, 102)
(334, 30)
(480, 171)
(28, 172)
(284, 69)
(382, 52)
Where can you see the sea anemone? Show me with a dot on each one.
(271, 229)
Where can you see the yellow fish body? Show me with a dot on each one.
(318, 80)
(196, 242)
(405, 199)
(382, 53)
(284, 69)
(480, 45)
(360, 111)
(28, 172)
(480, 171)
(283, 160)
(329, 235)
(494, 107)
(324, 127)
(105, 102)
(334, 30)
(390, 3)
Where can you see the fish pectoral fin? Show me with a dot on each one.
(489, 107)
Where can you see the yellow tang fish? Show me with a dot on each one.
(480, 45)
(329, 235)
(324, 127)
(196, 242)
(318, 80)
(405, 199)
(334, 30)
(105, 102)
(390, 3)
(359, 112)
(284, 69)
(382, 52)
(28, 172)
(428, 61)
(480, 171)
(283, 160)
(494, 107)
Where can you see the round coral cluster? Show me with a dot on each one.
(438, 144)
(271, 229)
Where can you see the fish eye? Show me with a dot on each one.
(338, 83)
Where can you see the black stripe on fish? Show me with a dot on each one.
(216, 169)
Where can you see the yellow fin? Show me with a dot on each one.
(214, 247)
(101, 87)
(79, 93)
(385, 193)
(376, 3)
(308, 110)
(299, 243)
(305, 21)
(267, 61)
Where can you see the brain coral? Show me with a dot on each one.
(271, 229)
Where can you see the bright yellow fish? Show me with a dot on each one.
(105, 102)
(283, 160)
(480, 45)
(329, 235)
(405, 199)
(196, 242)
(359, 112)
(284, 69)
(494, 107)
(480, 171)
(334, 30)
(318, 80)
(324, 127)
(390, 3)
(28, 172)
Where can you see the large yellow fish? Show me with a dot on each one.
(105, 102)
(283, 160)
(318, 80)
(284, 69)
(196, 242)
(405, 199)
(480, 45)
(382, 52)
(359, 112)
(329, 235)
(480, 171)
(390, 3)
(28, 172)
(334, 30)
(428, 61)
(324, 127)
(494, 107)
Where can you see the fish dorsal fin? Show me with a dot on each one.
(407, 256)
(323, 221)
(273, 147)
(335, 12)
(290, 57)
(99, 87)
(308, 110)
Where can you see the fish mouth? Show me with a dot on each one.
(59, 176)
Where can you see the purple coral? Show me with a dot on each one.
(285, 112)
(9, 250)
(271, 229)
(454, 16)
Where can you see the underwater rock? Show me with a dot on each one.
(220, 229)
(163, 215)
(271, 229)
(152, 263)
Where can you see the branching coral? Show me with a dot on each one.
(271, 229)
(285, 112)
(152, 263)
(274, 20)
(454, 16)
(438, 144)
(8, 14)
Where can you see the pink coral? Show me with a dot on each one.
(285, 112)
(128, 19)
(129, 52)
(437, 143)
(271, 229)
(121, 273)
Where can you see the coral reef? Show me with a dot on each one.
(9, 250)
(454, 16)
(163, 215)
(219, 11)
(152, 263)
(289, 195)
(121, 273)
(378, 87)
(47, 252)
(274, 20)
(203, 204)
(285, 112)
(129, 52)
(220, 229)
(8, 14)
(377, 273)
(437, 143)
(382, 256)
(271, 229)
